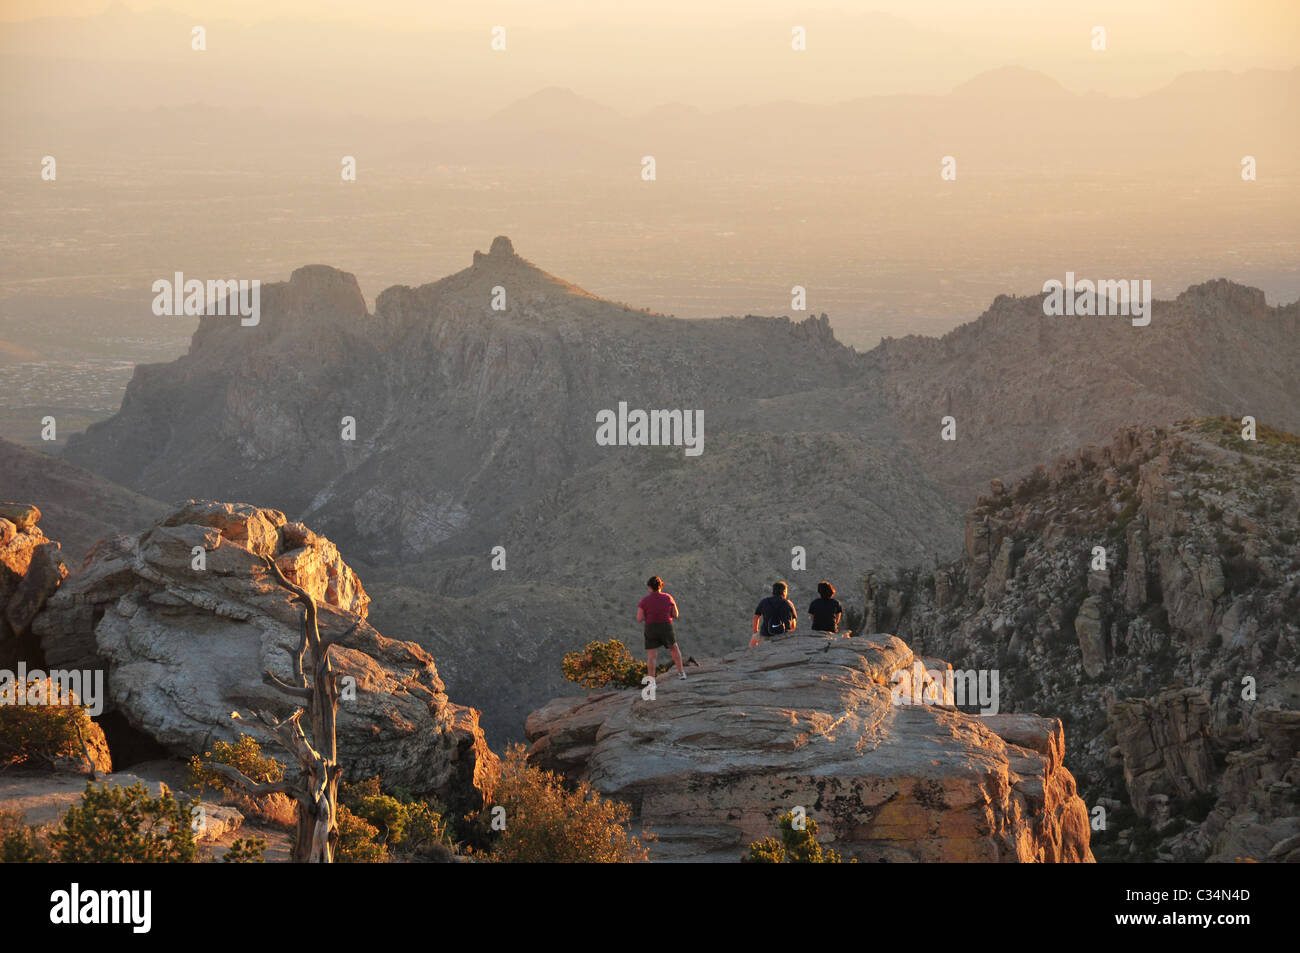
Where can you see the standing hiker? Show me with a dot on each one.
(657, 610)
(825, 609)
(775, 615)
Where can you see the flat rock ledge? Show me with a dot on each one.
(810, 721)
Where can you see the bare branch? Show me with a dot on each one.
(85, 750)
(296, 589)
(316, 788)
(28, 752)
(296, 691)
(296, 655)
(250, 786)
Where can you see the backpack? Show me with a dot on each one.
(772, 623)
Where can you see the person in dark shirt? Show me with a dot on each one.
(826, 609)
(775, 615)
(657, 610)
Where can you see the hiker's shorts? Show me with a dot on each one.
(659, 635)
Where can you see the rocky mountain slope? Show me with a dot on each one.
(1024, 388)
(184, 648)
(78, 508)
(476, 428)
(711, 763)
(1147, 592)
(462, 413)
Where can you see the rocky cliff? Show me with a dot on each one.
(184, 620)
(31, 570)
(1147, 591)
(809, 721)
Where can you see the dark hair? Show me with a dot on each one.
(778, 588)
(655, 583)
(825, 590)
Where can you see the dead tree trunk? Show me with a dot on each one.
(316, 787)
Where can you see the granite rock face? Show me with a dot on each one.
(31, 569)
(1152, 604)
(711, 763)
(184, 648)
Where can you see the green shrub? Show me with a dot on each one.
(605, 665)
(245, 851)
(401, 822)
(1242, 573)
(20, 843)
(359, 841)
(245, 755)
(40, 733)
(794, 847)
(545, 822)
(1273, 444)
(376, 827)
(125, 825)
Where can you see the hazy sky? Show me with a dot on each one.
(422, 59)
(1243, 27)
(228, 160)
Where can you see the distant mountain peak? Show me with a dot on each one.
(555, 104)
(1012, 82)
(502, 263)
(318, 290)
(1237, 296)
(502, 249)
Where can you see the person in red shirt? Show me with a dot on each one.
(657, 610)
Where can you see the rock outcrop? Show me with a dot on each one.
(711, 763)
(1164, 746)
(1152, 603)
(185, 618)
(31, 569)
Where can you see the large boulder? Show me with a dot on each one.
(1164, 743)
(186, 617)
(1090, 628)
(31, 569)
(811, 721)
